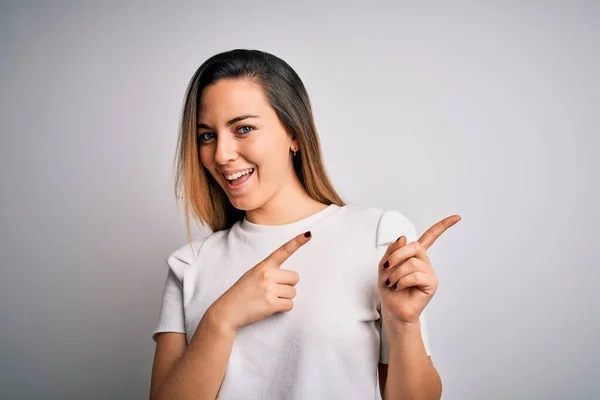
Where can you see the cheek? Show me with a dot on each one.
(206, 160)
(271, 161)
(270, 152)
(205, 155)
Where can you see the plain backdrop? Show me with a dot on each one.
(485, 109)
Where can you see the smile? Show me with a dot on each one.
(237, 181)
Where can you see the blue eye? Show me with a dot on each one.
(208, 136)
(202, 137)
(242, 129)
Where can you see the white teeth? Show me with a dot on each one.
(238, 174)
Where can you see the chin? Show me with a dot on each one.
(244, 203)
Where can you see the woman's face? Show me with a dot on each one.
(242, 143)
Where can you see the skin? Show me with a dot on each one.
(195, 371)
(407, 283)
(274, 195)
(238, 129)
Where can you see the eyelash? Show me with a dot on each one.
(201, 135)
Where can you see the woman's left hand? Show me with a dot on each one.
(407, 281)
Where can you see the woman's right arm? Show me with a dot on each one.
(194, 371)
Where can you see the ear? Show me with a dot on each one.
(295, 145)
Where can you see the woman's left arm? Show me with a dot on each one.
(410, 373)
(407, 282)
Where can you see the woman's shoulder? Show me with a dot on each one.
(378, 215)
(388, 224)
(180, 259)
(183, 257)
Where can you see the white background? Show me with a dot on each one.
(485, 109)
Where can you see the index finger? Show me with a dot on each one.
(433, 233)
(279, 256)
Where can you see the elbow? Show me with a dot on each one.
(437, 384)
(155, 394)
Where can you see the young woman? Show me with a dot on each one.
(294, 295)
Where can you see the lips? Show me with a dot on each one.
(238, 183)
(237, 174)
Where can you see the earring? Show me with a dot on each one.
(295, 151)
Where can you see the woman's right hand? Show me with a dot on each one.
(262, 291)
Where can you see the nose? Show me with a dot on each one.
(225, 150)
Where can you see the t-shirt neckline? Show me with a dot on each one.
(251, 227)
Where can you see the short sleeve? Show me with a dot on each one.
(171, 317)
(392, 225)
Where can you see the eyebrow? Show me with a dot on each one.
(231, 121)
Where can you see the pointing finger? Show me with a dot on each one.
(284, 252)
(433, 233)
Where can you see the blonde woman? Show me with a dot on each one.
(294, 295)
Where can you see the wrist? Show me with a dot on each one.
(404, 328)
(404, 337)
(215, 318)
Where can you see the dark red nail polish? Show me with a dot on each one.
(386, 264)
(387, 282)
(308, 234)
(395, 286)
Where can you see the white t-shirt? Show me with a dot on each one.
(328, 346)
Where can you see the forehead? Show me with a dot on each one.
(230, 97)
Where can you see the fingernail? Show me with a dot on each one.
(386, 264)
(395, 286)
(387, 282)
(399, 238)
(307, 234)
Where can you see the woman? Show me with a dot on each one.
(294, 295)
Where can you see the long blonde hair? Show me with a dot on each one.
(202, 196)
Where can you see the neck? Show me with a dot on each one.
(292, 203)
